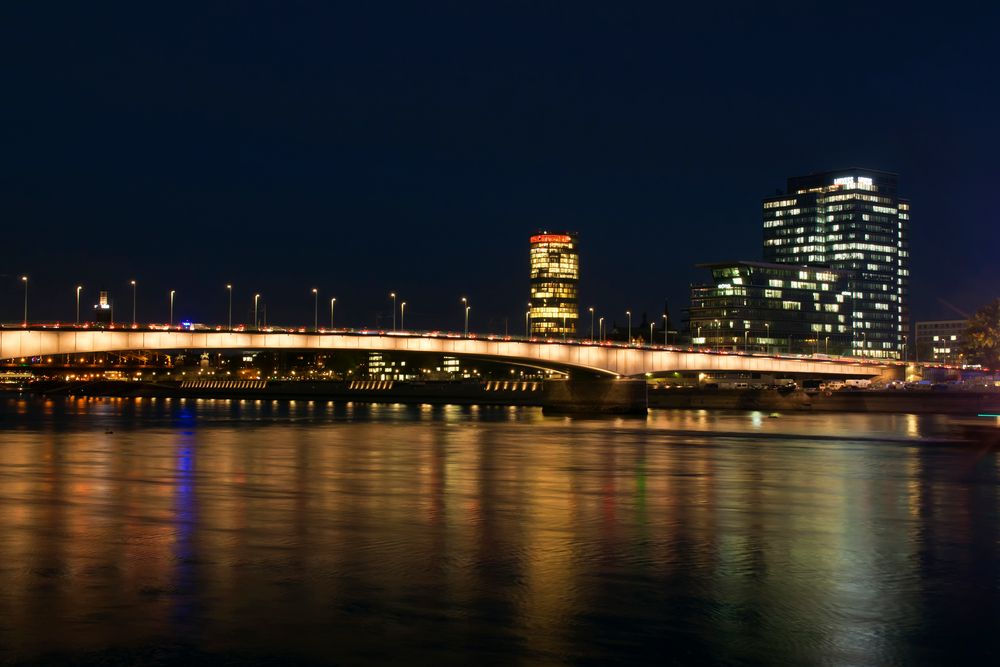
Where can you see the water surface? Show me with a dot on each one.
(138, 531)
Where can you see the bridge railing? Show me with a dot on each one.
(351, 331)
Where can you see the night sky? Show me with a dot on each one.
(369, 147)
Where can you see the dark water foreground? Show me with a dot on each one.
(221, 532)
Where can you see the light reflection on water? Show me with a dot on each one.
(372, 533)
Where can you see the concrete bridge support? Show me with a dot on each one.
(595, 396)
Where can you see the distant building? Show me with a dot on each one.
(767, 307)
(555, 279)
(941, 341)
(383, 367)
(850, 220)
(103, 312)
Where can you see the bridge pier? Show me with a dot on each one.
(595, 396)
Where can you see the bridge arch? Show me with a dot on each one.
(602, 359)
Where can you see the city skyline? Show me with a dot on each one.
(322, 161)
(501, 333)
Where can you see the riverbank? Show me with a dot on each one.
(536, 393)
(769, 400)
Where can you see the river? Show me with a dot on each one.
(158, 531)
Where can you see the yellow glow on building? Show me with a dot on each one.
(555, 279)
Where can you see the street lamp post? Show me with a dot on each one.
(746, 340)
(315, 309)
(652, 326)
(767, 344)
(629, 313)
(393, 295)
(134, 289)
(78, 289)
(527, 323)
(591, 309)
(256, 321)
(826, 346)
(229, 287)
(666, 325)
(172, 307)
(700, 342)
(24, 279)
(600, 328)
(402, 316)
(333, 302)
(465, 302)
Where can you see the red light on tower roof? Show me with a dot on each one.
(551, 238)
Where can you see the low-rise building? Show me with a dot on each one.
(767, 307)
(940, 341)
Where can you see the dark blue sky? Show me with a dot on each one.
(369, 147)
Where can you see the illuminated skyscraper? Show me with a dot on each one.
(555, 277)
(850, 220)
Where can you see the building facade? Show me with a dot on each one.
(103, 312)
(555, 278)
(850, 220)
(768, 307)
(940, 341)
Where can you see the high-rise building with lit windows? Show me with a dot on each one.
(555, 279)
(850, 220)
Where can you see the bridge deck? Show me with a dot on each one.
(605, 358)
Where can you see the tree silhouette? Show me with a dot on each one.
(982, 338)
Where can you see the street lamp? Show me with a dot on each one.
(333, 302)
(393, 295)
(629, 313)
(315, 309)
(746, 339)
(652, 325)
(465, 302)
(24, 279)
(172, 307)
(230, 288)
(591, 309)
(666, 325)
(256, 322)
(826, 345)
(527, 323)
(134, 289)
(767, 344)
(600, 328)
(402, 316)
(78, 289)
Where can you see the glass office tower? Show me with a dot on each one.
(555, 278)
(764, 307)
(850, 220)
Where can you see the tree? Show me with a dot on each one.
(982, 337)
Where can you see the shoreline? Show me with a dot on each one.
(518, 393)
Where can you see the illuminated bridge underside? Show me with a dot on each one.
(557, 356)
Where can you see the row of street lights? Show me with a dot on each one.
(79, 288)
(466, 308)
(256, 308)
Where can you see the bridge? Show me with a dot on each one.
(600, 358)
